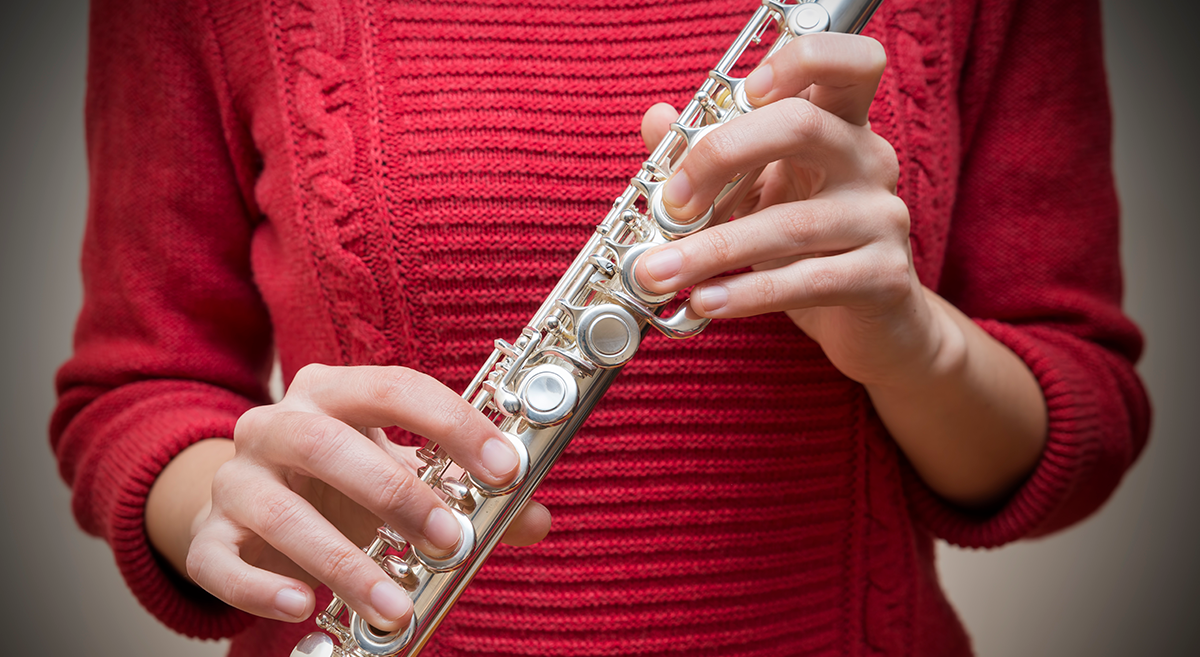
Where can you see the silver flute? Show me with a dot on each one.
(541, 388)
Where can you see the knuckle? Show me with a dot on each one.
(794, 225)
(250, 425)
(236, 587)
(822, 283)
(397, 492)
(804, 49)
(308, 377)
(314, 436)
(717, 245)
(895, 211)
(277, 514)
(803, 120)
(197, 564)
(718, 150)
(885, 166)
(894, 278)
(340, 565)
(232, 587)
(234, 485)
(460, 416)
(392, 386)
(900, 271)
(226, 479)
(455, 419)
(766, 290)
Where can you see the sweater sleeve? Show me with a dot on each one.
(173, 342)
(1034, 257)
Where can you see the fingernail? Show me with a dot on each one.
(662, 265)
(291, 603)
(389, 600)
(760, 81)
(442, 529)
(678, 190)
(499, 458)
(712, 297)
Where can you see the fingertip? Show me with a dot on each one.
(499, 459)
(656, 268)
(656, 123)
(878, 55)
(217, 568)
(539, 517)
(442, 530)
(293, 604)
(709, 298)
(391, 605)
(531, 526)
(643, 279)
(760, 82)
(678, 192)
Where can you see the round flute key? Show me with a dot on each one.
(314, 644)
(807, 19)
(545, 393)
(548, 393)
(608, 335)
(463, 552)
(373, 643)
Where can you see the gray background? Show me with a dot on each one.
(1122, 583)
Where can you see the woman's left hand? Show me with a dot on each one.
(826, 239)
(822, 229)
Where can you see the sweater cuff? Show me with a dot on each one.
(1072, 445)
(139, 442)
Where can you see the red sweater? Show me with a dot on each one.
(354, 182)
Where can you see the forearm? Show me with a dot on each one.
(181, 496)
(974, 425)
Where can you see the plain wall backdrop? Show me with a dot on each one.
(1123, 583)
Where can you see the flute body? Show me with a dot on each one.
(540, 388)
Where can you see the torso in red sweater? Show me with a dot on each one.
(400, 183)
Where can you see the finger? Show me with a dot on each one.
(656, 123)
(793, 128)
(869, 278)
(216, 567)
(530, 526)
(398, 396)
(328, 449)
(291, 525)
(824, 224)
(843, 71)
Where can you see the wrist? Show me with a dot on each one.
(941, 354)
(973, 422)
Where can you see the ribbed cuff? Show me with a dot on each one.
(1072, 446)
(162, 419)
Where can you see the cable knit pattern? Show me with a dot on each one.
(918, 107)
(312, 36)
(402, 182)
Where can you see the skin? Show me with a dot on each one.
(257, 521)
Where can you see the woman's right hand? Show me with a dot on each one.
(313, 476)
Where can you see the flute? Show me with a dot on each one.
(541, 388)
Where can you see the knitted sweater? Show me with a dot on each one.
(370, 182)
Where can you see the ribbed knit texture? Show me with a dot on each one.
(401, 183)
